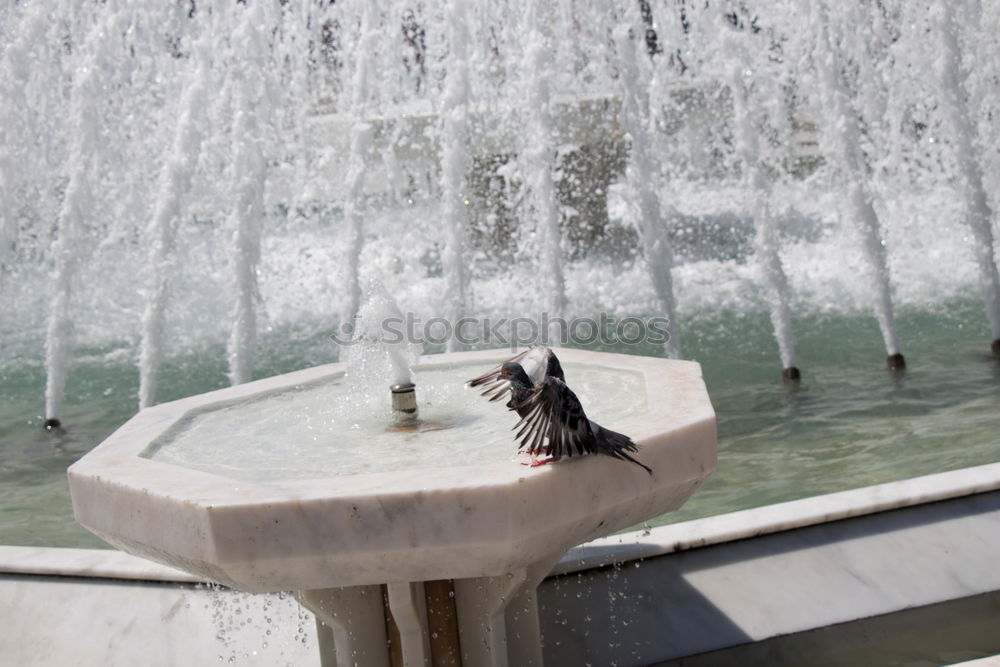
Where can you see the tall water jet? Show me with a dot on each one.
(766, 242)
(16, 64)
(454, 164)
(77, 205)
(161, 235)
(539, 154)
(641, 177)
(842, 135)
(13, 74)
(978, 214)
(249, 178)
(362, 135)
(298, 54)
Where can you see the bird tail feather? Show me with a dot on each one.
(617, 445)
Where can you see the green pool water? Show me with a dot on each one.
(849, 423)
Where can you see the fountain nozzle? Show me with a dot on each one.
(404, 403)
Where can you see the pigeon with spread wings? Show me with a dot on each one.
(553, 422)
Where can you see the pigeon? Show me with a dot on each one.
(553, 422)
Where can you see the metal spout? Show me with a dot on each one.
(404, 403)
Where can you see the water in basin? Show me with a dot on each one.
(325, 429)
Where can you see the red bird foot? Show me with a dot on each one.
(538, 462)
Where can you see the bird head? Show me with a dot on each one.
(513, 373)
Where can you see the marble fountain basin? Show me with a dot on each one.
(295, 483)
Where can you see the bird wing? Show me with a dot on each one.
(537, 363)
(493, 386)
(555, 416)
(553, 367)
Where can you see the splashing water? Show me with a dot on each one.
(378, 353)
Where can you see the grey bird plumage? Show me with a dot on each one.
(553, 422)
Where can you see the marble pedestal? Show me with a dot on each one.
(494, 530)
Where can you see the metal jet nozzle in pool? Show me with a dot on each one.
(404, 403)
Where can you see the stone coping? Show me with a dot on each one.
(108, 564)
(88, 563)
(780, 517)
(990, 661)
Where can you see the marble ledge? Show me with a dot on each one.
(991, 661)
(779, 517)
(88, 563)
